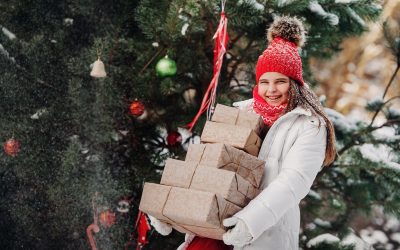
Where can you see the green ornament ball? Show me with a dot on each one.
(166, 67)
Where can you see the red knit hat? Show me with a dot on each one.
(285, 35)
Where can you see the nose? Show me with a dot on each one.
(271, 89)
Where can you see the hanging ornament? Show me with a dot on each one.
(136, 108)
(166, 67)
(189, 96)
(174, 139)
(143, 227)
(123, 206)
(98, 70)
(107, 218)
(94, 227)
(12, 147)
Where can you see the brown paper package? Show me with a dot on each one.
(228, 184)
(242, 118)
(218, 155)
(196, 211)
(239, 137)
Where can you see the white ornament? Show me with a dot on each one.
(98, 69)
(68, 21)
(123, 206)
(184, 29)
(189, 95)
(38, 113)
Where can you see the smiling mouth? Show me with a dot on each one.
(274, 98)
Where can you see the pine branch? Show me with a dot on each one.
(356, 137)
(151, 60)
(384, 94)
(237, 62)
(370, 128)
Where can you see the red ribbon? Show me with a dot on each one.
(220, 42)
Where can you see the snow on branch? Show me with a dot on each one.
(379, 154)
(256, 5)
(345, 1)
(328, 238)
(315, 7)
(340, 121)
(8, 33)
(282, 3)
(5, 53)
(355, 16)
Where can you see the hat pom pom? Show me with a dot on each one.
(288, 28)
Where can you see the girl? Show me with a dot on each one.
(300, 140)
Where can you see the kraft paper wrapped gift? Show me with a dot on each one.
(240, 137)
(229, 185)
(214, 233)
(226, 157)
(196, 211)
(242, 118)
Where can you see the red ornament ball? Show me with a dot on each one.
(136, 108)
(107, 218)
(174, 139)
(12, 147)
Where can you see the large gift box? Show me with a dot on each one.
(188, 210)
(241, 118)
(191, 175)
(226, 157)
(237, 136)
(216, 179)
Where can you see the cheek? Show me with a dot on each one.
(261, 89)
(284, 89)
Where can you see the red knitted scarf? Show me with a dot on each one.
(268, 112)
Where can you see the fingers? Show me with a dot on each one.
(164, 229)
(226, 237)
(152, 219)
(161, 227)
(229, 222)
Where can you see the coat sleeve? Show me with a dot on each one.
(299, 169)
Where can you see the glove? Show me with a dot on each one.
(161, 227)
(238, 236)
(188, 239)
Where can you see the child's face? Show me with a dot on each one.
(273, 87)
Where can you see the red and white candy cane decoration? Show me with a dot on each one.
(221, 40)
(94, 227)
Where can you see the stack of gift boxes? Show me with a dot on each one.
(217, 179)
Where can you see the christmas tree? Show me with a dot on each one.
(85, 143)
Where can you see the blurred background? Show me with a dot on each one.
(79, 140)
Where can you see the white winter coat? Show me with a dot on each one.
(294, 149)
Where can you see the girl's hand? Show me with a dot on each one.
(239, 235)
(161, 227)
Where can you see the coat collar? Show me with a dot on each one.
(301, 111)
(295, 112)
